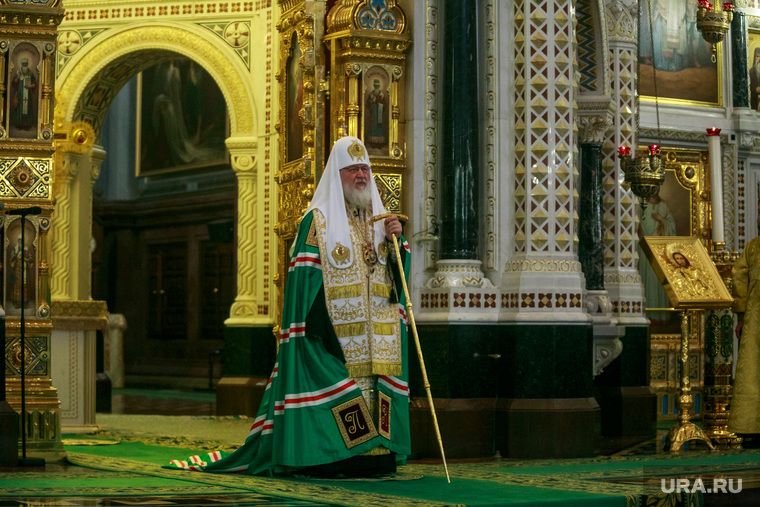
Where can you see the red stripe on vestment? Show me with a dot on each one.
(272, 376)
(305, 259)
(257, 424)
(295, 330)
(395, 384)
(316, 397)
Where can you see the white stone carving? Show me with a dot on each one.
(606, 349)
(459, 273)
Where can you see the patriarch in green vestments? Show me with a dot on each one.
(337, 401)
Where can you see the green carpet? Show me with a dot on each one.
(135, 469)
(413, 485)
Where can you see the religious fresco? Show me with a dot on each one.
(672, 45)
(182, 119)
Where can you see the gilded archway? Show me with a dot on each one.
(88, 81)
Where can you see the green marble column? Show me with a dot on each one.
(591, 245)
(739, 57)
(459, 193)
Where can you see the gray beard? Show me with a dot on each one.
(362, 199)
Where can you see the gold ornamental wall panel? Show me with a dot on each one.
(340, 73)
(300, 124)
(367, 43)
(28, 42)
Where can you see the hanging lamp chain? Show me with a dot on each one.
(654, 70)
(637, 79)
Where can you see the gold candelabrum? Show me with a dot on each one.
(719, 363)
(644, 174)
(713, 21)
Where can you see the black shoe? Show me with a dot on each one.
(356, 466)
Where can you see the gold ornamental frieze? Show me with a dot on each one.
(289, 5)
(26, 178)
(83, 308)
(36, 355)
(389, 186)
(367, 45)
(78, 315)
(384, 16)
(24, 18)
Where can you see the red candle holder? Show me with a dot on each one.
(624, 151)
(713, 131)
(654, 149)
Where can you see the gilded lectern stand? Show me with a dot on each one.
(693, 285)
(685, 430)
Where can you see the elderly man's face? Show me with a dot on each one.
(355, 179)
(680, 259)
(355, 176)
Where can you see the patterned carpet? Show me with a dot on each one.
(125, 468)
(129, 472)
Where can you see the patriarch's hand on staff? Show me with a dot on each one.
(392, 227)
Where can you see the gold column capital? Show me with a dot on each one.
(243, 154)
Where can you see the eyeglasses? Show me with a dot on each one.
(353, 169)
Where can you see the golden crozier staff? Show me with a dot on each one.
(410, 315)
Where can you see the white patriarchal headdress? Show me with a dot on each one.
(328, 198)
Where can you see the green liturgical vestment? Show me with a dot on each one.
(313, 411)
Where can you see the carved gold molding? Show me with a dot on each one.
(297, 170)
(368, 45)
(80, 315)
(116, 44)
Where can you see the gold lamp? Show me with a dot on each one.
(645, 174)
(713, 21)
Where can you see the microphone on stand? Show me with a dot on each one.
(23, 461)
